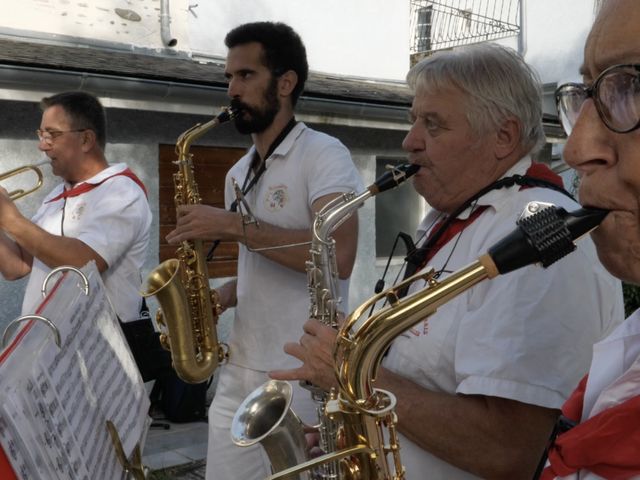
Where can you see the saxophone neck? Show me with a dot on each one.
(361, 344)
(189, 136)
(336, 211)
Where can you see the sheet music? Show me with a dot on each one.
(54, 403)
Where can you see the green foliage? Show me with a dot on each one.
(631, 295)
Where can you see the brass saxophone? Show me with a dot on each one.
(366, 415)
(322, 280)
(188, 314)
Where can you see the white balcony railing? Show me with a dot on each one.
(436, 25)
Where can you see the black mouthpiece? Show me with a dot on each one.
(544, 237)
(226, 114)
(394, 177)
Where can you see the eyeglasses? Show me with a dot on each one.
(49, 136)
(615, 93)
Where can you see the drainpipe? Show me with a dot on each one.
(165, 21)
(522, 40)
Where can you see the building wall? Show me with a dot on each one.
(343, 37)
(134, 136)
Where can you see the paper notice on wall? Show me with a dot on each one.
(55, 402)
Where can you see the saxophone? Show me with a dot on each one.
(188, 314)
(322, 280)
(367, 436)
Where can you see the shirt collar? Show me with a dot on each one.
(101, 175)
(491, 199)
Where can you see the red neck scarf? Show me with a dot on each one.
(86, 187)
(539, 171)
(607, 444)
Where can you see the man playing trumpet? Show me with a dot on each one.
(98, 213)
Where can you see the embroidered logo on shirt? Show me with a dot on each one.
(277, 198)
(425, 329)
(78, 211)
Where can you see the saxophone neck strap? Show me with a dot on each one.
(259, 165)
(525, 181)
(538, 175)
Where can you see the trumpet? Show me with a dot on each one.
(21, 192)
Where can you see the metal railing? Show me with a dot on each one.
(437, 25)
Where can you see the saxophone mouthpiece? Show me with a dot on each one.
(394, 176)
(544, 236)
(227, 113)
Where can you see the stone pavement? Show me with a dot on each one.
(191, 471)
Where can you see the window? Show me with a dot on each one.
(423, 29)
(397, 210)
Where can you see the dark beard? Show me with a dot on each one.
(258, 119)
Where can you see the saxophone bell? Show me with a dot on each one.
(266, 417)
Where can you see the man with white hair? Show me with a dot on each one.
(479, 384)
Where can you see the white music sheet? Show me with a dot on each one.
(55, 402)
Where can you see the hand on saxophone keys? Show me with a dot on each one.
(203, 222)
(315, 351)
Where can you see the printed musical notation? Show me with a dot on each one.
(55, 402)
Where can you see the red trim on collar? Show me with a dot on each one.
(86, 187)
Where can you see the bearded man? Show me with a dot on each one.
(288, 175)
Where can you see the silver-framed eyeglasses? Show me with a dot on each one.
(49, 136)
(615, 94)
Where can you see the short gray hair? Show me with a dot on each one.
(498, 84)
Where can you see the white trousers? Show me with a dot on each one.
(225, 460)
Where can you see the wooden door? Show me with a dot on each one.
(210, 167)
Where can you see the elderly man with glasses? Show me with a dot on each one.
(98, 213)
(599, 436)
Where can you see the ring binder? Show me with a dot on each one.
(55, 400)
(64, 268)
(8, 331)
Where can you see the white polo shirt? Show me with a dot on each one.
(273, 300)
(113, 219)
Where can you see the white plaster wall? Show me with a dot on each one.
(556, 32)
(365, 38)
(97, 20)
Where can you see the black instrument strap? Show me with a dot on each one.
(563, 424)
(415, 258)
(261, 165)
